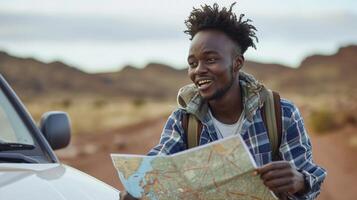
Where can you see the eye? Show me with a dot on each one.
(211, 60)
(192, 64)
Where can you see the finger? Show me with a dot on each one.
(275, 183)
(272, 166)
(289, 188)
(284, 196)
(281, 196)
(274, 174)
(127, 196)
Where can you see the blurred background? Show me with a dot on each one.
(116, 66)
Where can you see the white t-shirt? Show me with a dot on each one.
(226, 130)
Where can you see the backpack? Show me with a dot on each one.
(271, 113)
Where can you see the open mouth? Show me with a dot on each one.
(204, 84)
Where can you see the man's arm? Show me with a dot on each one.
(171, 140)
(297, 175)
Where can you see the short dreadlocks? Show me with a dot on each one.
(211, 17)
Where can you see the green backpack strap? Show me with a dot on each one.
(272, 118)
(193, 128)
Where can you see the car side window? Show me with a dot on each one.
(12, 128)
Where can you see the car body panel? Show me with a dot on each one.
(51, 181)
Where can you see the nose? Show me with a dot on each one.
(201, 68)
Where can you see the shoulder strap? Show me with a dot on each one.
(273, 121)
(271, 116)
(192, 127)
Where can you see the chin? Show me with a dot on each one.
(207, 96)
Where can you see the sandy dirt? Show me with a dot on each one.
(335, 151)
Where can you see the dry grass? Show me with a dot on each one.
(321, 113)
(322, 120)
(329, 119)
(91, 115)
(327, 113)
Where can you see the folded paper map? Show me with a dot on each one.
(219, 170)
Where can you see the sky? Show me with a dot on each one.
(106, 35)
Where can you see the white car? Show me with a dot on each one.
(29, 169)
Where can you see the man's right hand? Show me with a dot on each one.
(126, 196)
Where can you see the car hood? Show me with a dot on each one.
(51, 181)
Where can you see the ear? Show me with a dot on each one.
(238, 63)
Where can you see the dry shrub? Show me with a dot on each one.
(322, 121)
(138, 103)
(100, 103)
(346, 118)
(325, 120)
(66, 103)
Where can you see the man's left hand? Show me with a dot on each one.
(282, 178)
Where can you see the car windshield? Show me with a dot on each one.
(12, 128)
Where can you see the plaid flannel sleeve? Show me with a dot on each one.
(171, 140)
(296, 148)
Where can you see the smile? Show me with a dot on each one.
(204, 84)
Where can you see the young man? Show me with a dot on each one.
(228, 102)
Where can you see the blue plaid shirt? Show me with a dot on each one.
(295, 145)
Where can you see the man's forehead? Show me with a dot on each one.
(211, 40)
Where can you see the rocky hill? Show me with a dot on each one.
(324, 74)
(32, 78)
(154, 80)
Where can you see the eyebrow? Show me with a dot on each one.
(210, 52)
(207, 52)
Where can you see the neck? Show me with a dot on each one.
(228, 108)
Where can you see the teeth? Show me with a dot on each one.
(203, 82)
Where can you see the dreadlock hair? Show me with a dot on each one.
(211, 17)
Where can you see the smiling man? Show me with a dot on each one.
(227, 101)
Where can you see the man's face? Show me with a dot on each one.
(211, 63)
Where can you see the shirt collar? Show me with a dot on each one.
(252, 91)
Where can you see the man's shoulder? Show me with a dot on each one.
(177, 113)
(289, 110)
(287, 105)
